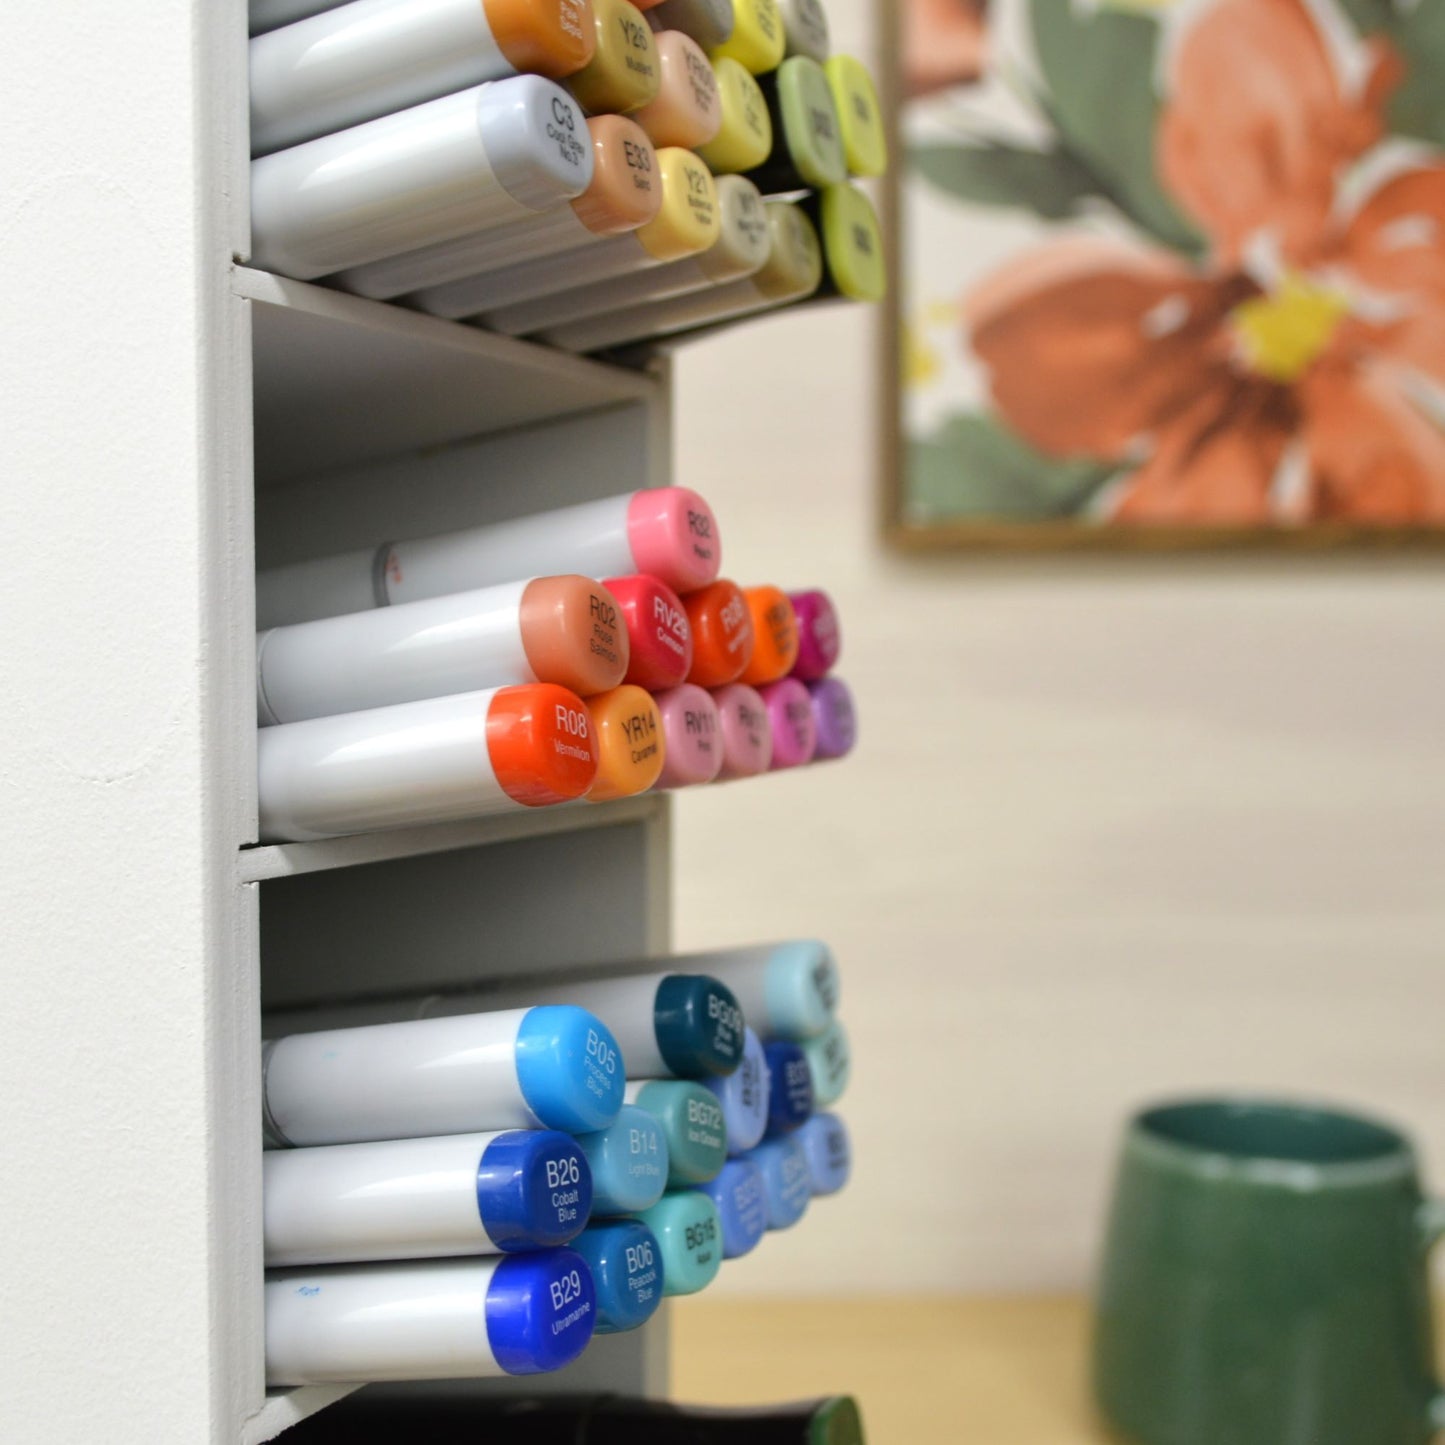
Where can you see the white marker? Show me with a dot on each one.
(434, 761)
(567, 630)
(537, 1068)
(270, 14)
(740, 250)
(352, 63)
(666, 532)
(497, 1193)
(431, 1320)
(471, 160)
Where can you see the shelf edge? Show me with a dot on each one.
(285, 1408)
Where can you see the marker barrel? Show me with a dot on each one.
(493, 1193)
(624, 193)
(742, 1205)
(438, 760)
(691, 1120)
(820, 638)
(355, 62)
(693, 733)
(689, 1233)
(831, 1060)
(790, 710)
(462, 163)
(666, 1024)
(625, 1259)
(747, 732)
(266, 15)
(669, 532)
(744, 1096)
(549, 1068)
(807, 134)
(629, 1163)
(658, 633)
(829, 1152)
(790, 1087)
(709, 22)
(835, 717)
(428, 1320)
(784, 1168)
(787, 990)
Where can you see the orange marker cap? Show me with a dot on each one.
(554, 38)
(626, 190)
(722, 633)
(541, 742)
(775, 634)
(630, 747)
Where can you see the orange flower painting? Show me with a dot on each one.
(1213, 283)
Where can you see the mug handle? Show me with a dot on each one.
(1430, 1220)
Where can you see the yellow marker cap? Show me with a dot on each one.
(624, 72)
(852, 243)
(630, 747)
(688, 221)
(759, 39)
(860, 117)
(794, 267)
(745, 138)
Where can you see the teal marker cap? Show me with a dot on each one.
(629, 1163)
(699, 1026)
(689, 1234)
(692, 1122)
(800, 989)
(831, 1061)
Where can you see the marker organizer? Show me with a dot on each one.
(429, 793)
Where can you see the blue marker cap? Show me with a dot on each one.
(831, 1061)
(800, 988)
(629, 1163)
(569, 1068)
(829, 1152)
(785, 1179)
(698, 1024)
(626, 1263)
(540, 1311)
(534, 1189)
(742, 1204)
(744, 1096)
(790, 1092)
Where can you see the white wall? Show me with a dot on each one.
(1116, 829)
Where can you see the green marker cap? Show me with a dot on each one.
(860, 117)
(807, 120)
(691, 1120)
(794, 267)
(689, 1232)
(831, 1061)
(852, 243)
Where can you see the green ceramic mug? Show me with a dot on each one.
(1265, 1281)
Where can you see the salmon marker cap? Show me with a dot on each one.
(541, 742)
(573, 633)
(722, 633)
(555, 38)
(659, 634)
(630, 745)
(625, 192)
(687, 110)
(775, 634)
(624, 72)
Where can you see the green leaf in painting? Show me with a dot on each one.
(1369, 15)
(974, 468)
(1049, 183)
(1098, 70)
(1418, 107)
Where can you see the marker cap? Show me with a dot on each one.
(745, 137)
(692, 1122)
(835, 717)
(829, 1152)
(808, 119)
(689, 1232)
(630, 744)
(572, 633)
(709, 22)
(747, 732)
(624, 193)
(801, 988)
(785, 1179)
(688, 221)
(742, 1205)
(659, 634)
(623, 73)
(687, 110)
(626, 1263)
(775, 636)
(629, 1162)
(533, 1189)
(722, 633)
(743, 241)
(541, 744)
(563, 1054)
(693, 730)
(820, 639)
(790, 1086)
(831, 1060)
(744, 1096)
(519, 120)
(699, 1026)
(860, 117)
(794, 267)
(805, 23)
(758, 39)
(790, 709)
(528, 1330)
(543, 37)
(852, 242)
(673, 535)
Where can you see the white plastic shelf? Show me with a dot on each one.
(284, 1408)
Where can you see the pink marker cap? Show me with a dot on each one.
(673, 534)
(692, 736)
(819, 640)
(747, 731)
(795, 731)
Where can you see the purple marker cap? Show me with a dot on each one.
(819, 639)
(747, 731)
(692, 737)
(790, 710)
(835, 718)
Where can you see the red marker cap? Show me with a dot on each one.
(722, 633)
(658, 632)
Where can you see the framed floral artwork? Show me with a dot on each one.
(1170, 272)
